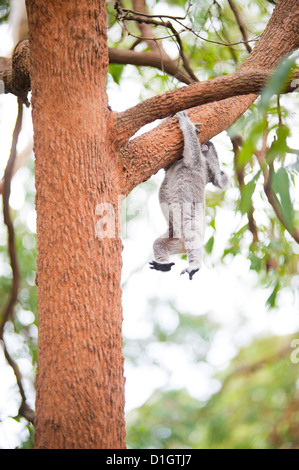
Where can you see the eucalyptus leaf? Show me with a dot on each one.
(277, 81)
(209, 245)
(281, 186)
(246, 195)
(279, 145)
(116, 71)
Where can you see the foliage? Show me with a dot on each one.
(274, 255)
(4, 10)
(22, 331)
(256, 408)
(26, 254)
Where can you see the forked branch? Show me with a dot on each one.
(197, 94)
(145, 155)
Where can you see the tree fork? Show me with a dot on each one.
(216, 89)
(145, 155)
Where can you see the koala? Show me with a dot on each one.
(182, 199)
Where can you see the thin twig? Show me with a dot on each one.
(181, 52)
(159, 16)
(131, 15)
(24, 409)
(240, 24)
(215, 42)
(124, 15)
(8, 222)
(145, 26)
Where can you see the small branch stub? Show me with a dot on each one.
(15, 73)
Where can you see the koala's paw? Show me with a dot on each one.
(197, 127)
(190, 271)
(183, 118)
(161, 266)
(182, 114)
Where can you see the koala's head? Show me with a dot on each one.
(214, 174)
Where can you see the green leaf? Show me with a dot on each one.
(277, 81)
(116, 71)
(209, 245)
(250, 143)
(247, 192)
(271, 301)
(281, 186)
(279, 145)
(246, 195)
(255, 262)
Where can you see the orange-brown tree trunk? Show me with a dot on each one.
(80, 384)
(83, 159)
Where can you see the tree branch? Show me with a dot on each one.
(127, 15)
(19, 161)
(116, 56)
(146, 30)
(145, 22)
(149, 59)
(145, 155)
(139, 19)
(15, 73)
(216, 89)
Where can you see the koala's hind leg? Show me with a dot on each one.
(193, 240)
(194, 260)
(163, 247)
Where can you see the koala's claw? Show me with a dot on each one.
(161, 266)
(191, 272)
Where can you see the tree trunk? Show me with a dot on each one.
(80, 384)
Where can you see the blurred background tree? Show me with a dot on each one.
(208, 365)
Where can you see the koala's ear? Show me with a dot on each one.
(205, 148)
(221, 181)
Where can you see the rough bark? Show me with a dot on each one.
(145, 155)
(80, 384)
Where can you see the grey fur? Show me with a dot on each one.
(182, 199)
